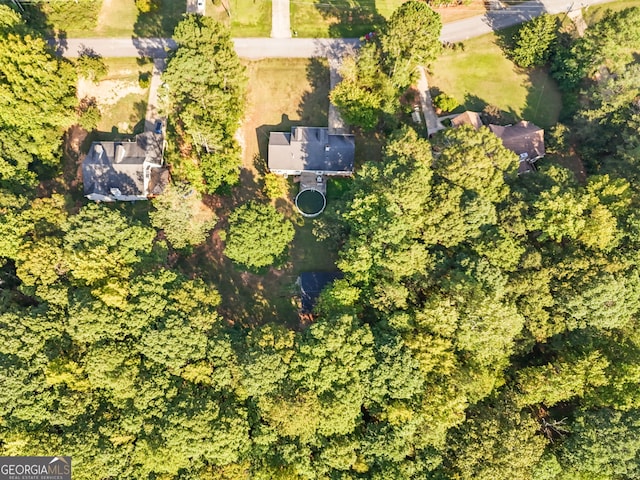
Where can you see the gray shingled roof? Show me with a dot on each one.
(311, 149)
(110, 165)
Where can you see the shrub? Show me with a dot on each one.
(144, 79)
(445, 102)
(275, 186)
(88, 113)
(91, 66)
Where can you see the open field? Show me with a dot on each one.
(121, 100)
(480, 75)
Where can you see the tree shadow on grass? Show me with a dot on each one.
(314, 105)
(544, 101)
(350, 19)
(160, 22)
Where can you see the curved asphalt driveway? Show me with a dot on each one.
(257, 48)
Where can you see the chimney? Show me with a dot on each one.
(119, 153)
(97, 151)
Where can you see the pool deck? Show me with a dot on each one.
(309, 181)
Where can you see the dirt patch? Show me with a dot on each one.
(108, 92)
(73, 154)
(460, 12)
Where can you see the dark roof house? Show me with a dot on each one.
(311, 149)
(467, 118)
(525, 139)
(127, 170)
(311, 285)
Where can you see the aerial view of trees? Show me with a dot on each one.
(486, 325)
(179, 212)
(376, 76)
(37, 100)
(206, 86)
(258, 235)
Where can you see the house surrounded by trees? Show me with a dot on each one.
(125, 170)
(524, 139)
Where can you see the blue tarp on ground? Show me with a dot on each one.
(311, 284)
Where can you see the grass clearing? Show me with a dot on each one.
(122, 102)
(246, 18)
(108, 18)
(595, 13)
(481, 75)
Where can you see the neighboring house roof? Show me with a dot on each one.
(311, 149)
(522, 138)
(311, 284)
(128, 170)
(467, 118)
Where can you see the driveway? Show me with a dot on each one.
(280, 19)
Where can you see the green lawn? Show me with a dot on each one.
(112, 18)
(594, 14)
(250, 18)
(337, 18)
(481, 75)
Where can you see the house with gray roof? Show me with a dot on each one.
(311, 149)
(125, 170)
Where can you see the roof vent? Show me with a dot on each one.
(327, 147)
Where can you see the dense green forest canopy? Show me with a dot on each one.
(486, 326)
(37, 101)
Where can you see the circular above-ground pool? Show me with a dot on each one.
(310, 203)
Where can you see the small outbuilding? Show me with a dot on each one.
(311, 285)
(525, 139)
(467, 118)
(311, 149)
(125, 170)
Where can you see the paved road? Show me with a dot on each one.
(251, 48)
(497, 19)
(256, 48)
